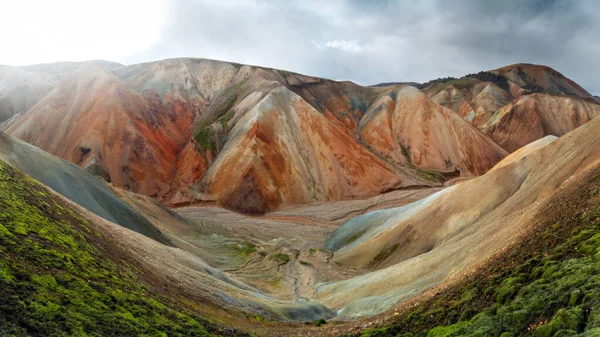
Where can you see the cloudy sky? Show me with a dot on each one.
(364, 41)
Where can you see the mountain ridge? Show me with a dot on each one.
(177, 116)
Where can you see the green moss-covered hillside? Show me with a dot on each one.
(547, 286)
(55, 280)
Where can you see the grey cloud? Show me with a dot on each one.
(402, 40)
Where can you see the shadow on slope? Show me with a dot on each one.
(76, 185)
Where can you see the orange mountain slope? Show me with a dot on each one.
(256, 139)
(482, 98)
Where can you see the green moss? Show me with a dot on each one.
(223, 103)
(508, 289)
(226, 118)
(444, 331)
(320, 322)
(247, 249)
(6, 274)
(566, 321)
(284, 258)
(57, 280)
(206, 140)
(406, 153)
(429, 174)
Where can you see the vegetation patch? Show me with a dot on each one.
(435, 82)
(223, 102)
(320, 322)
(206, 140)
(429, 174)
(406, 153)
(54, 281)
(246, 249)
(226, 118)
(283, 258)
(355, 237)
(384, 254)
(485, 76)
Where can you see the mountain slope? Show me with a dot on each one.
(481, 98)
(161, 128)
(472, 99)
(287, 153)
(59, 277)
(532, 117)
(23, 87)
(543, 286)
(452, 230)
(93, 119)
(76, 185)
(538, 78)
(408, 127)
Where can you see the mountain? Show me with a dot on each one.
(463, 207)
(407, 127)
(474, 100)
(531, 117)
(388, 84)
(23, 87)
(411, 249)
(597, 98)
(19, 91)
(249, 138)
(538, 78)
(92, 115)
(483, 97)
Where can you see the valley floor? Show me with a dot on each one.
(279, 253)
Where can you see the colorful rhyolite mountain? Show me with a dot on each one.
(517, 104)
(416, 247)
(499, 253)
(254, 139)
(370, 264)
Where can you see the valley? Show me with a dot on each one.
(200, 197)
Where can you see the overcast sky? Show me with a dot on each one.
(363, 41)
